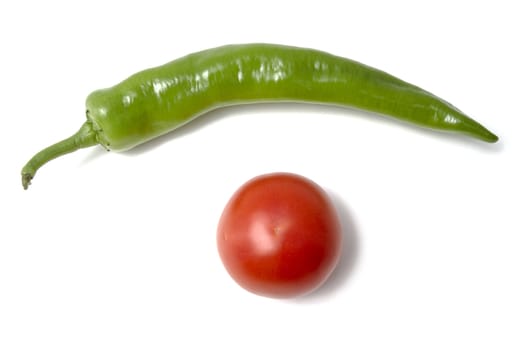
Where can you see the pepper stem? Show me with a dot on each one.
(84, 137)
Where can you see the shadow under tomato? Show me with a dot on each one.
(349, 255)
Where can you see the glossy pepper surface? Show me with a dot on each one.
(158, 100)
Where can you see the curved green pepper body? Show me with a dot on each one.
(159, 100)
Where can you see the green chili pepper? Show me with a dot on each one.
(158, 100)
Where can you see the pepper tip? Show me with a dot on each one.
(491, 138)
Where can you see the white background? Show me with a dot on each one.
(117, 251)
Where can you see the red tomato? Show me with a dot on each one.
(279, 235)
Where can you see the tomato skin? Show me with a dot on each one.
(279, 235)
